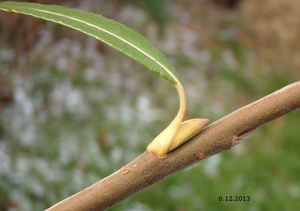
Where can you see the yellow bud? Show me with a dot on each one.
(187, 130)
(170, 139)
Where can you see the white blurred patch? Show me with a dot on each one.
(130, 15)
(5, 161)
(65, 98)
(7, 54)
(45, 38)
(178, 192)
(212, 165)
(19, 197)
(23, 101)
(62, 63)
(22, 167)
(294, 191)
(137, 206)
(260, 194)
(126, 113)
(116, 154)
(23, 116)
(239, 149)
(145, 112)
(229, 60)
(68, 149)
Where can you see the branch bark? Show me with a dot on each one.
(148, 168)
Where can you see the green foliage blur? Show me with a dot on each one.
(74, 110)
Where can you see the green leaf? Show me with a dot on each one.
(121, 38)
(110, 32)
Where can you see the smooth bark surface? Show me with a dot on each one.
(219, 136)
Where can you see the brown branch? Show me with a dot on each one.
(148, 169)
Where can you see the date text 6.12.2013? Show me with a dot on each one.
(234, 198)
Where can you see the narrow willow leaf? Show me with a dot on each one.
(124, 39)
(108, 31)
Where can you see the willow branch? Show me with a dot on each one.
(148, 168)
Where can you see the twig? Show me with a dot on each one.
(148, 168)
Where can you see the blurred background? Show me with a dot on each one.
(74, 110)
